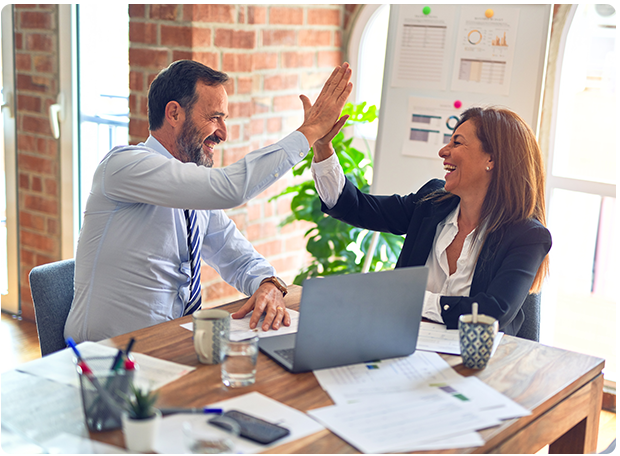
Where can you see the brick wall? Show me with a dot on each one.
(36, 68)
(272, 54)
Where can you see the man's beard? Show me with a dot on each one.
(190, 145)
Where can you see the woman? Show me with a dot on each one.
(481, 232)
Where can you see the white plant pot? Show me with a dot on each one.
(140, 434)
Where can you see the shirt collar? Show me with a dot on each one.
(452, 220)
(452, 217)
(154, 144)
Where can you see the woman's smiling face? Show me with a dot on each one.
(466, 163)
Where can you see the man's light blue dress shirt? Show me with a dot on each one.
(132, 261)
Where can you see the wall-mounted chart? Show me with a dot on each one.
(430, 126)
(442, 59)
(485, 50)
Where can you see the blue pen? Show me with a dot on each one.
(202, 410)
(71, 343)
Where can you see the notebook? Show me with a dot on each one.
(353, 318)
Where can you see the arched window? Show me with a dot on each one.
(579, 301)
(367, 57)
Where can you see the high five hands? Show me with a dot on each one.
(322, 117)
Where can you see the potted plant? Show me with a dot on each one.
(141, 420)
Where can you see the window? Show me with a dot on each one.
(579, 309)
(9, 260)
(94, 81)
(367, 55)
(103, 85)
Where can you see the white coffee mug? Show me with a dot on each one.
(208, 325)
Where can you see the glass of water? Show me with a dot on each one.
(239, 355)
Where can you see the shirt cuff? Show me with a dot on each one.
(329, 179)
(296, 145)
(431, 309)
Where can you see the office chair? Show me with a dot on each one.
(51, 286)
(531, 325)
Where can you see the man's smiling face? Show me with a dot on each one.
(204, 125)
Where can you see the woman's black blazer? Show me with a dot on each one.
(506, 266)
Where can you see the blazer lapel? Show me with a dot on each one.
(428, 228)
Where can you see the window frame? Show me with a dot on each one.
(11, 302)
(69, 141)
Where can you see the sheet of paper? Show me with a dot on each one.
(243, 324)
(170, 438)
(437, 338)
(60, 366)
(483, 398)
(35, 409)
(422, 47)
(72, 444)
(421, 367)
(393, 424)
(485, 49)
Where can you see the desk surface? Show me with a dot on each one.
(563, 390)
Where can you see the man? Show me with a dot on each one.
(149, 203)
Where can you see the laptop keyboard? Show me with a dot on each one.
(286, 353)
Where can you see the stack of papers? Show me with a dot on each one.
(406, 404)
(60, 366)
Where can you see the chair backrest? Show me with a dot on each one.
(51, 286)
(531, 325)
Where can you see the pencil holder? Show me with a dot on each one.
(103, 391)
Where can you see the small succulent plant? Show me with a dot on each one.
(140, 407)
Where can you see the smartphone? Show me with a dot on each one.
(252, 428)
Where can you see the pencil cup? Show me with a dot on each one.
(103, 393)
(208, 325)
(476, 340)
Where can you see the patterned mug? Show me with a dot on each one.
(208, 325)
(476, 340)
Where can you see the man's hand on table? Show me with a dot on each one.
(268, 300)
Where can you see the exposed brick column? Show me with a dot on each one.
(272, 54)
(36, 67)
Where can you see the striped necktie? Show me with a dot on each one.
(193, 236)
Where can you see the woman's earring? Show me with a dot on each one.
(488, 168)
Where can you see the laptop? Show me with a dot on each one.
(353, 318)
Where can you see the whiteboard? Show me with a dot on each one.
(458, 55)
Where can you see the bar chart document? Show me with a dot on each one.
(485, 50)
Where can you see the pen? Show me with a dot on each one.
(71, 343)
(204, 410)
(129, 345)
(117, 360)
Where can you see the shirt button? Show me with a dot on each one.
(301, 154)
(276, 174)
(446, 307)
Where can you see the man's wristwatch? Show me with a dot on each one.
(278, 282)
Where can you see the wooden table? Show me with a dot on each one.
(562, 389)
